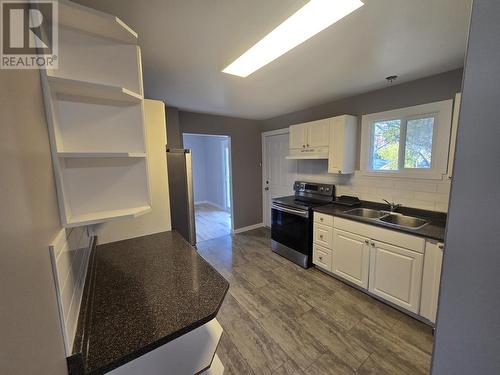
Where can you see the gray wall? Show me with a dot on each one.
(426, 90)
(174, 136)
(246, 154)
(468, 323)
(30, 332)
(198, 149)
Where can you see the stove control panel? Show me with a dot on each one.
(314, 188)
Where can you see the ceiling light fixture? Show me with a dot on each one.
(309, 20)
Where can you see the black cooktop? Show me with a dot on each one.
(297, 202)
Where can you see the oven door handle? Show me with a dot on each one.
(290, 210)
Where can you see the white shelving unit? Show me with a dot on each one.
(95, 113)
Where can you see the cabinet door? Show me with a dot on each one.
(433, 260)
(396, 275)
(351, 257)
(318, 134)
(342, 147)
(323, 235)
(298, 135)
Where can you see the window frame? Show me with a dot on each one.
(442, 113)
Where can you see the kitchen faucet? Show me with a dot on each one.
(393, 206)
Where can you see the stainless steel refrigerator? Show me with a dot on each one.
(180, 182)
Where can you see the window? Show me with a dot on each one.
(407, 142)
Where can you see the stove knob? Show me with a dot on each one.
(327, 189)
(321, 188)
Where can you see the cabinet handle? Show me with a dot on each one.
(441, 247)
(320, 258)
(321, 236)
(340, 172)
(303, 146)
(320, 219)
(367, 242)
(373, 243)
(308, 145)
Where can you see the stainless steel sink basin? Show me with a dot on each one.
(366, 213)
(403, 221)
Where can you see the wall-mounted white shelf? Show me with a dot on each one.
(73, 87)
(83, 154)
(92, 21)
(95, 114)
(112, 215)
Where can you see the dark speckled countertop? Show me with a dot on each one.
(435, 230)
(140, 294)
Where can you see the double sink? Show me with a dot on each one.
(390, 218)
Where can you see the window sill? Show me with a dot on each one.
(425, 175)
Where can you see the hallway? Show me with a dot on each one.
(211, 222)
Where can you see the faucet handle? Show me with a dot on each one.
(386, 201)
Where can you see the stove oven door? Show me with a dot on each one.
(292, 228)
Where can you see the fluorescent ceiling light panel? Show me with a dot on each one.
(309, 20)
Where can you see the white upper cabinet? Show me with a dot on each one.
(298, 136)
(95, 115)
(318, 133)
(310, 140)
(342, 145)
(453, 136)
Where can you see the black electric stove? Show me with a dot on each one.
(292, 222)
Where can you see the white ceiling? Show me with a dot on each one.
(186, 43)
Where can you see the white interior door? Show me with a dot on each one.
(279, 173)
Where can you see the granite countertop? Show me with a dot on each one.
(140, 294)
(435, 230)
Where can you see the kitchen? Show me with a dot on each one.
(359, 186)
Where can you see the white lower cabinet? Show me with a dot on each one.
(351, 257)
(389, 264)
(431, 279)
(396, 275)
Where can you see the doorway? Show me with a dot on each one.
(211, 164)
(278, 173)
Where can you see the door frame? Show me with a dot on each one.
(264, 169)
(228, 137)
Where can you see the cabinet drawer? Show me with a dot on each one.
(322, 257)
(323, 235)
(323, 219)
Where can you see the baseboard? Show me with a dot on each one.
(246, 229)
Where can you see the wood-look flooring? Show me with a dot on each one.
(211, 222)
(281, 319)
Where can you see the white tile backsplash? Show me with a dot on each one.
(418, 193)
(70, 253)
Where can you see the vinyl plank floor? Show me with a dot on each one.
(211, 222)
(281, 319)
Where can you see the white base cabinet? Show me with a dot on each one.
(396, 275)
(387, 263)
(351, 258)
(431, 279)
